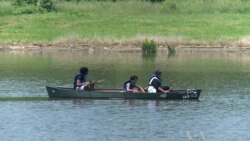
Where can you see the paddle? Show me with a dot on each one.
(91, 84)
(99, 81)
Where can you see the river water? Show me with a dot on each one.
(221, 113)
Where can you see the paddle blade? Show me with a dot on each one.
(99, 81)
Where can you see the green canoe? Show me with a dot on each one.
(63, 92)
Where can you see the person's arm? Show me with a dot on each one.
(162, 90)
(156, 85)
(140, 89)
(128, 88)
(78, 83)
(131, 90)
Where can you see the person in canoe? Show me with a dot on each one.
(130, 85)
(155, 83)
(80, 82)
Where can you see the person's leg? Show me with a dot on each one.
(80, 88)
(151, 89)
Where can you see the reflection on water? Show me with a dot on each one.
(5, 99)
(221, 113)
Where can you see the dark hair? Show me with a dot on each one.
(157, 72)
(84, 70)
(133, 77)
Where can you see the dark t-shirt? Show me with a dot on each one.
(80, 77)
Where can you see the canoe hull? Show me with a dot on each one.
(62, 92)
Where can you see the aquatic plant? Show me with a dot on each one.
(149, 47)
(171, 50)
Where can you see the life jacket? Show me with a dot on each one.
(82, 79)
(132, 85)
(151, 88)
(153, 77)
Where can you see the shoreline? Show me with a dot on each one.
(126, 45)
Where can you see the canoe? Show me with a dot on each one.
(63, 92)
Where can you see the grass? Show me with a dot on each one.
(191, 22)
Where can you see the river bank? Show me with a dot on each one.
(129, 45)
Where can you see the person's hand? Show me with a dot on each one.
(166, 91)
(86, 83)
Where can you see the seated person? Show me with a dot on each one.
(80, 82)
(155, 84)
(130, 85)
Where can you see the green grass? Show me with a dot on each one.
(198, 21)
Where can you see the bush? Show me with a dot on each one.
(171, 4)
(102, 0)
(33, 6)
(156, 1)
(171, 50)
(48, 5)
(27, 9)
(24, 2)
(149, 47)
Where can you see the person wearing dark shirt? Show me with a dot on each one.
(130, 85)
(155, 83)
(80, 82)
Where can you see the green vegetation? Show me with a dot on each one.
(149, 47)
(171, 50)
(33, 6)
(171, 22)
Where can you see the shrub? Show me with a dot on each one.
(149, 47)
(26, 9)
(24, 2)
(32, 6)
(48, 5)
(156, 1)
(171, 50)
(105, 0)
(171, 4)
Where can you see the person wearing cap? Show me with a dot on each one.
(80, 82)
(130, 85)
(155, 84)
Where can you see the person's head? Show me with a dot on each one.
(133, 78)
(84, 70)
(157, 73)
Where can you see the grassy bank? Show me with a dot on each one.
(179, 22)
